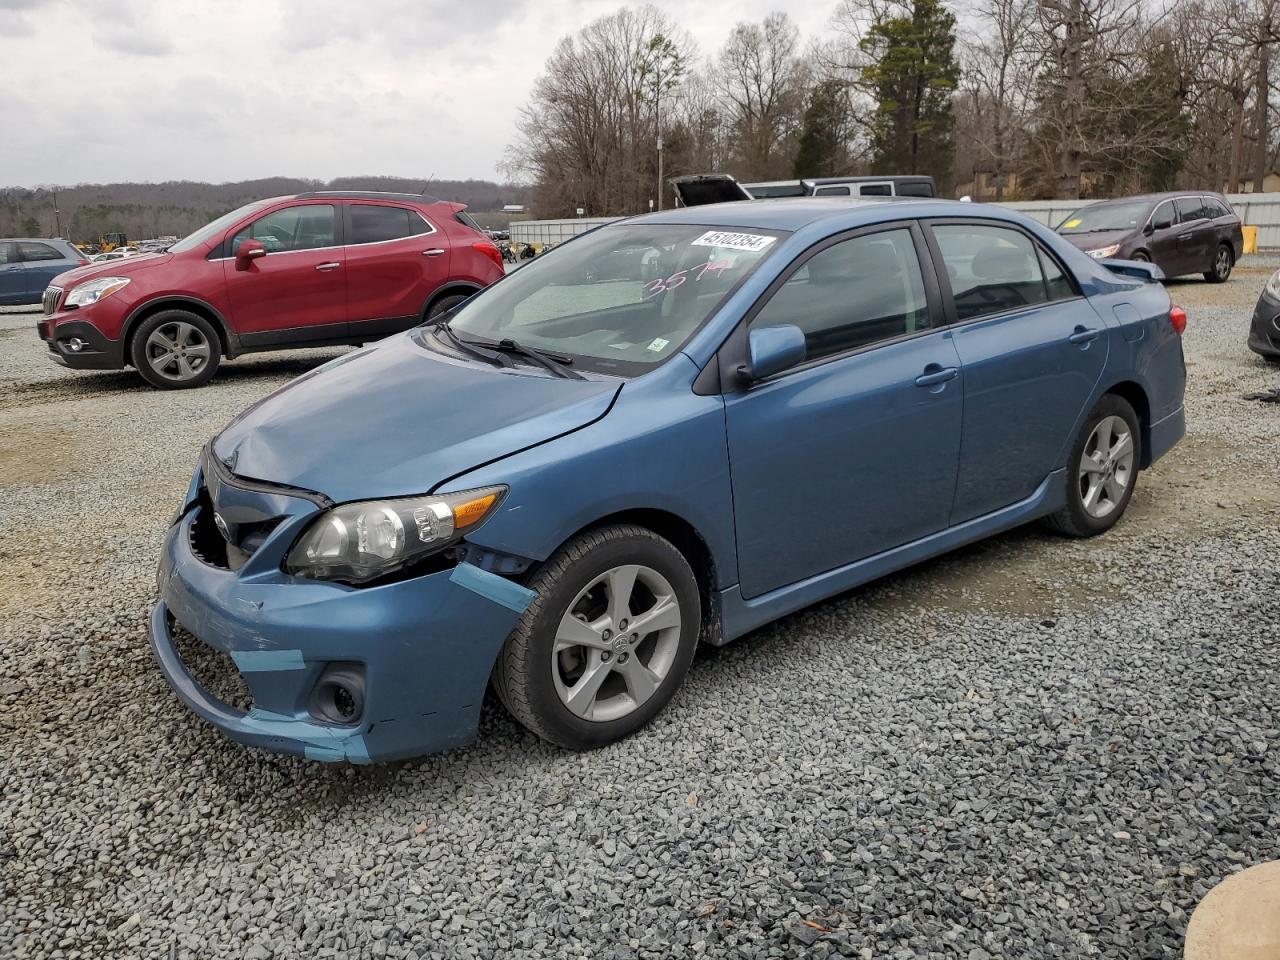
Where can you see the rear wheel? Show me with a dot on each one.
(176, 349)
(1223, 261)
(1102, 470)
(607, 642)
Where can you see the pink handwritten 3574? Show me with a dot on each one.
(661, 285)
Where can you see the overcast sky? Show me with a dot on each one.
(148, 90)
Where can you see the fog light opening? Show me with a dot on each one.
(75, 344)
(338, 696)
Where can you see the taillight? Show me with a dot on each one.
(490, 251)
(83, 262)
(1178, 317)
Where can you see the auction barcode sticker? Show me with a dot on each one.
(752, 242)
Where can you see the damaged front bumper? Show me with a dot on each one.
(418, 651)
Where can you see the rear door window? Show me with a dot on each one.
(1190, 208)
(29, 252)
(831, 192)
(992, 269)
(876, 190)
(289, 229)
(376, 223)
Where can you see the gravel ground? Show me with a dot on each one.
(1032, 748)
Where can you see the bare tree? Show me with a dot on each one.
(588, 136)
(762, 83)
(999, 62)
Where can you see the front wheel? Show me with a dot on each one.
(607, 642)
(445, 304)
(1102, 470)
(176, 349)
(1222, 264)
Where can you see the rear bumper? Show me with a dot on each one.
(96, 352)
(1167, 432)
(425, 648)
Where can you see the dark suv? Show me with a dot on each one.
(307, 270)
(1188, 232)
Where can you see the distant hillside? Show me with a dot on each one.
(177, 207)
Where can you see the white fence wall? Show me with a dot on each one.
(1261, 210)
(553, 231)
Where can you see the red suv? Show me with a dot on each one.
(310, 270)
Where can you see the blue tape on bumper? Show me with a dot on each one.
(500, 590)
(252, 661)
(317, 744)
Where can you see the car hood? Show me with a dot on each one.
(1092, 241)
(124, 267)
(397, 419)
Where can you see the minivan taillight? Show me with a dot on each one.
(1178, 317)
(489, 250)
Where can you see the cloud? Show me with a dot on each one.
(308, 88)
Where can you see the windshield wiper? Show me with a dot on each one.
(441, 324)
(557, 364)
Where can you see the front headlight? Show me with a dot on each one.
(359, 542)
(1273, 286)
(95, 290)
(1103, 252)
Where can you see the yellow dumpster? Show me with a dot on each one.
(1250, 239)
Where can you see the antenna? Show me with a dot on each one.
(423, 191)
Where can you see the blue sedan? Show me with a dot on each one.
(671, 430)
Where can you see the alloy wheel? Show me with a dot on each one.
(177, 351)
(1222, 265)
(1106, 467)
(616, 643)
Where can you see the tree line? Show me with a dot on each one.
(1001, 99)
(143, 210)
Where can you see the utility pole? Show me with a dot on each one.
(657, 122)
(57, 216)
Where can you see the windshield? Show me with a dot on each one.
(618, 299)
(1097, 217)
(210, 230)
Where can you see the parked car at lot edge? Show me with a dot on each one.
(307, 270)
(568, 483)
(1264, 330)
(1181, 233)
(698, 189)
(27, 266)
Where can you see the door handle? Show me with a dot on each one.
(1083, 336)
(433, 252)
(937, 375)
(328, 266)
(1184, 236)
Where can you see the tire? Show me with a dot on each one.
(1141, 256)
(1223, 261)
(536, 682)
(152, 343)
(1079, 518)
(445, 303)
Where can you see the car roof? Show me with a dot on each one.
(794, 213)
(1158, 197)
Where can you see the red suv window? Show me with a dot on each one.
(374, 223)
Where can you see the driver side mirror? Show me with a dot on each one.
(247, 252)
(771, 350)
(1163, 223)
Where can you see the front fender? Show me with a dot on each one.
(661, 447)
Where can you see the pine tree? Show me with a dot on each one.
(824, 132)
(911, 71)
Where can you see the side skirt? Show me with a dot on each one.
(741, 616)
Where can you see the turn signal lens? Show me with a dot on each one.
(465, 514)
(1178, 317)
